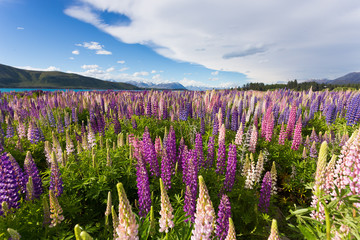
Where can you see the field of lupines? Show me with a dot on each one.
(180, 165)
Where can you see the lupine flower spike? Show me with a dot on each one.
(205, 214)
(166, 212)
(55, 210)
(231, 233)
(274, 234)
(223, 217)
(127, 228)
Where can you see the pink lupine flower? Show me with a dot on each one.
(166, 212)
(274, 234)
(282, 135)
(239, 135)
(205, 214)
(297, 135)
(253, 139)
(127, 227)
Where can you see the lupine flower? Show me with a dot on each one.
(189, 204)
(313, 151)
(69, 144)
(202, 126)
(304, 155)
(19, 174)
(14, 235)
(191, 171)
(259, 168)
(55, 210)
(127, 227)
(205, 214)
(9, 130)
(253, 139)
(269, 128)
(166, 212)
(143, 187)
(46, 208)
(9, 188)
(31, 170)
(239, 135)
(166, 169)
(56, 183)
(91, 137)
(231, 232)
(29, 189)
(231, 168)
(150, 153)
(224, 214)
(246, 166)
(215, 127)
(221, 158)
(291, 122)
(250, 177)
(274, 234)
(199, 150)
(170, 147)
(313, 136)
(222, 134)
(158, 146)
(265, 193)
(234, 120)
(57, 147)
(297, 135)
(211, 152)
(33, 133)
(282, 135)
(273, 179)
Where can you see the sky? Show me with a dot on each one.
(206, 43)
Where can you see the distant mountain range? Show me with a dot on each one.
(170, 86)
(350, 78)
(11, 77)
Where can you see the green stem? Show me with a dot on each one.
(328, 224)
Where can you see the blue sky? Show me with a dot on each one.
(203, 43)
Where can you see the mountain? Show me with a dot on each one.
(170, 86)
(350, 78)
(11, 77)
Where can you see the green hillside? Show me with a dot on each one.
(11, 77)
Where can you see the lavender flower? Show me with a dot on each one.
(205, 214)
(265, 193)
(224, 214)
(166, 220)
(231, 168)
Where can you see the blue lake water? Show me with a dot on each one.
(47, 89)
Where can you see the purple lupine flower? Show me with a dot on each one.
(297, 135)
(234, 120)
(253, 139)
(313, 150)
(181, 152)
(150, 153)
(134, 123)
(282, 135)
(291, 122)
(202, 126)
(221, 158)
(74, 115)
(231, 168)
(265, 193)
(189, 204)
(56, 183)
(183, 114)
(19, 174)
(117, 125)
(171, 148)
(224, 214)
(31, 170)
(215, 127)
(9, 130)
(158, 146)
(199, 150)
(211, 153)
(33, 133)
(143, 187)
(21, 130)
(60, 126)
(9, 188)
(148, 108)
(205, 214)
(314, 136)
(166, 169)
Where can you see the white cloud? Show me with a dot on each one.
(49, 69)
(121, 61)
(301, 39)
(75, 52)
(213, 79)
(94, 46)
(93, 66)
(20, 28)
(189, 82)
(111, 69)
(103, 52)
(153, 71)
(71, 58)
(215, 73)
(143, 73)
(123, 69)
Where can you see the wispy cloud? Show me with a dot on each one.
(20, 28)
(103, 52)
(121, 61)
(76, 52)
(143, 73)
(93, 66)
